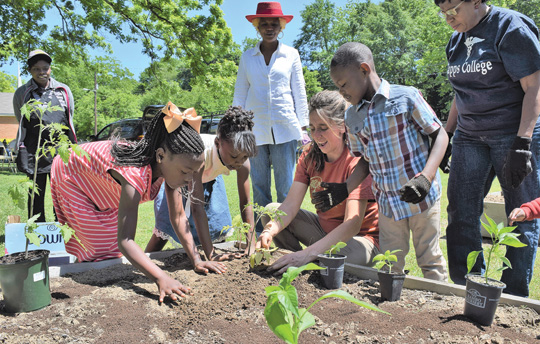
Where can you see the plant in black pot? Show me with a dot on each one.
(334, 266)
(483, 291)
(390, 283)
(24, 276)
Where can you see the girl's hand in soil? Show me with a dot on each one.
(225, 256)
(204, 267)
(170, 287)
(295, 259)
(517, 215)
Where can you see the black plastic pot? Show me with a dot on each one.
(390, 285)
(25, 283)
(332, 276)
(482, 299)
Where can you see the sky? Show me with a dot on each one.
(131, 56)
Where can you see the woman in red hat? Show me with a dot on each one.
(270, 83)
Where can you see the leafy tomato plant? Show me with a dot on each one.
(282, 313)
(57, 142)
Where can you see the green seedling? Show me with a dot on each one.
(500, 235)
(263, 254)
(243, 229)
(335, 248)
(58, 142)
(240, 229)
(282, 314)
(387, 258)
(259, 255)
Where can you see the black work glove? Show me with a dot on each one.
(415, 190)
(445, 162)
(517, 164)
(334, 194)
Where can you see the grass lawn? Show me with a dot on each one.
(146, 219)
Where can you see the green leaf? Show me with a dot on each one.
(293, 272)
(341, 294)
(471, 259)
(513, 241)
(506, 261)
(33, 237)
(306, 320)
(276, 318)
(289, 300)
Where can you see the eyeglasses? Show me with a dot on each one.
(451, 12)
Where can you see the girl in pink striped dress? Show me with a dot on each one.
(99, 196)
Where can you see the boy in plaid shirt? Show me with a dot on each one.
(391, 127)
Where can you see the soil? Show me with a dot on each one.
(120, 305)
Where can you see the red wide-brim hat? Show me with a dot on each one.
(269, 9)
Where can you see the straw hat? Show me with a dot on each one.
(269, 9)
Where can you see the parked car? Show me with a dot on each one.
(134, 128)
(128, 129)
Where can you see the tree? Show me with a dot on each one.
(116, 96)
(164, 27)
(318, 40)
(7, 83)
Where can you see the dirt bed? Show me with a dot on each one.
(120, 305)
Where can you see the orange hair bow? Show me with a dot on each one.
(174, 117)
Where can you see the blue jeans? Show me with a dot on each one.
(282, 157)
(475, 163)
(216, 207)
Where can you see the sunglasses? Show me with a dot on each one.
(449, 13)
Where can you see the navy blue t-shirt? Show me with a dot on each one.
(485, 65)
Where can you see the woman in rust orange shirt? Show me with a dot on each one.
(327, 158)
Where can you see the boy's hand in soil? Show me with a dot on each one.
(168, 286)
(205, 267)
(517, 215)
(294, 259)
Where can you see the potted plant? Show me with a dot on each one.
(24, 276)
(334, 266)
(282, 313)
(484, 291)
(390, 283)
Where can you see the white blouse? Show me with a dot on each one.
(275, 93)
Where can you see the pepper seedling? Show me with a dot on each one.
(335, 248)
(387, 258)
(282, 314)
(500, 235)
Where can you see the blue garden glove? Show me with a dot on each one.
(415, 190)
(334, 194)
(517, 164)
(445, 162)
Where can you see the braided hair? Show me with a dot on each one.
(184, 140)
(331, 105)
(236, 128)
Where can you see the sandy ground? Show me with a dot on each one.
(120, 305)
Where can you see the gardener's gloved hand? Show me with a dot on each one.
(416, 189)
(445, 162)
(517, 164)
(334, 194)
